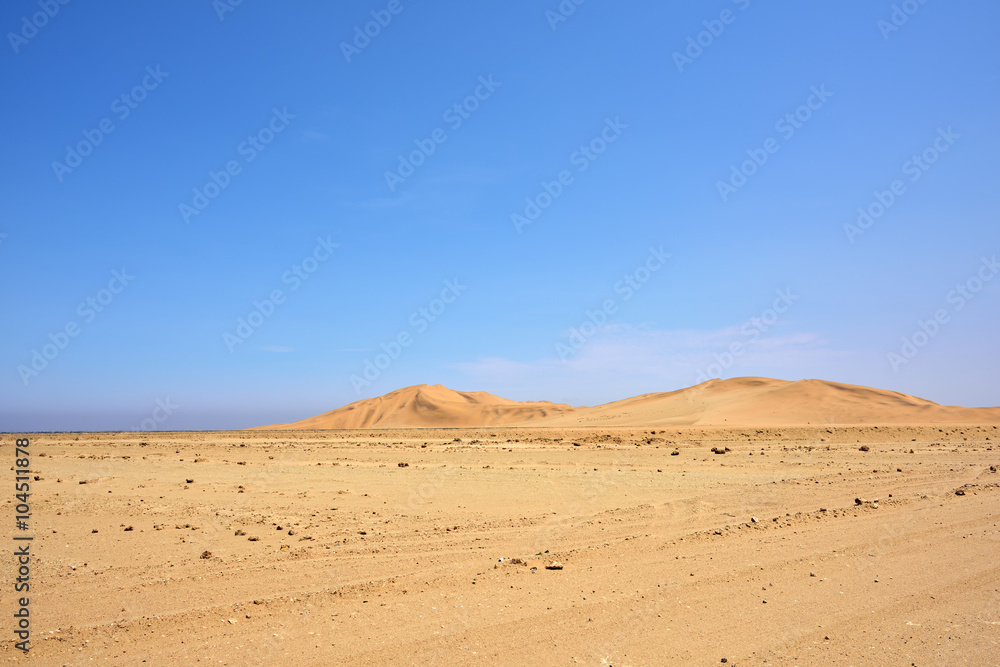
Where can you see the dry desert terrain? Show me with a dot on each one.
(433, 546)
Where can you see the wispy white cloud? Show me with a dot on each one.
(625, 360)
(313, 135)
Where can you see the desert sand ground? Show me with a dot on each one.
(319, 548)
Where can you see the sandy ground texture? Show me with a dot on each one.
(784, 546)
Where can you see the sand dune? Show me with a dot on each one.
(746, 401)
(429, 406)
(768, 402)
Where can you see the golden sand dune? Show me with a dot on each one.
(746, 401)
(432, 407)
(768, 402)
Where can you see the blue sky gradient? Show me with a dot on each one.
(606, 119)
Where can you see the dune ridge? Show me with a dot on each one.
(745, 401)
(429, 406)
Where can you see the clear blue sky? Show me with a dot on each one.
(309, 128)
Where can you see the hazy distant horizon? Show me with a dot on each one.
(201, 419)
